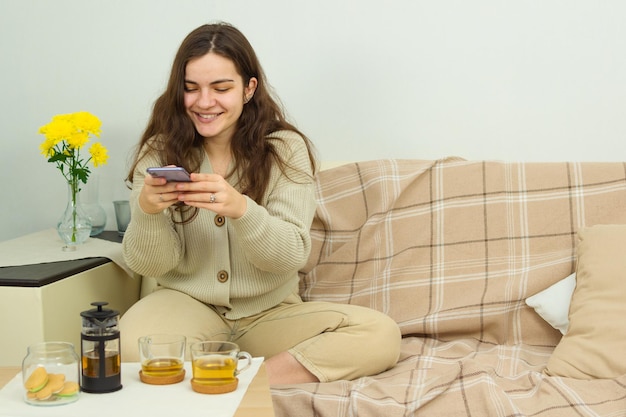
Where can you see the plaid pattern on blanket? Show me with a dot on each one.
(451, 249)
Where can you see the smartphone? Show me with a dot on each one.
(170, 173)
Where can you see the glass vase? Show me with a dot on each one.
(74, 227)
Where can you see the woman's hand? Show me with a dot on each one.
(157, 194)
(212, 192)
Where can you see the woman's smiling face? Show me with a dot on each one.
(215, 95)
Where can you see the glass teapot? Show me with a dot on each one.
(100, 350)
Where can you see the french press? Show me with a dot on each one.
(100, 350)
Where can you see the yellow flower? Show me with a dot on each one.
(58, 129)
(77, 139)
(47, 148)
(66, 135)
(98, 154)
(87, 123)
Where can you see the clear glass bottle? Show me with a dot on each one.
(90, 198)
(50, 374)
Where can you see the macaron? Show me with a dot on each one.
(37, 380)
(56, 382)
(69, 388)
(44, 393)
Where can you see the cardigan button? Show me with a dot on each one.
(220, 220)
(222, 276)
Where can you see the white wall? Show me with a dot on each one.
(486, 79)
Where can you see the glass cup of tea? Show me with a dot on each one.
(162, 358)
(215, 366)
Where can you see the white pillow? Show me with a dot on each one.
(552, 304)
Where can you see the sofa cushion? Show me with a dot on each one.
(552, 304)
(595, 343)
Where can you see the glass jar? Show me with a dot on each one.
(50, 374)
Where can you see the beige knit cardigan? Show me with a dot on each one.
(241, 266)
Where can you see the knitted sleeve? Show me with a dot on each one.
(151, 244)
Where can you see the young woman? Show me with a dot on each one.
(226, 246)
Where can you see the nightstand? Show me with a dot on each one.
(42, 302)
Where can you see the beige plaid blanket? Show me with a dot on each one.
(451, 249)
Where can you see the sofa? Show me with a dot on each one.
(507, 280)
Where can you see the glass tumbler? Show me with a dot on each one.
(50, 374)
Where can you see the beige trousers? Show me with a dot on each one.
(333, 341)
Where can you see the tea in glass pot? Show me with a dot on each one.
(100, 350)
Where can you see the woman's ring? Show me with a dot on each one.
(161, 197)
(212, 198)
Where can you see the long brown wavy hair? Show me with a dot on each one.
(178, 141)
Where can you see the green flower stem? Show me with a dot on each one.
(73, 181)
(74, 191)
